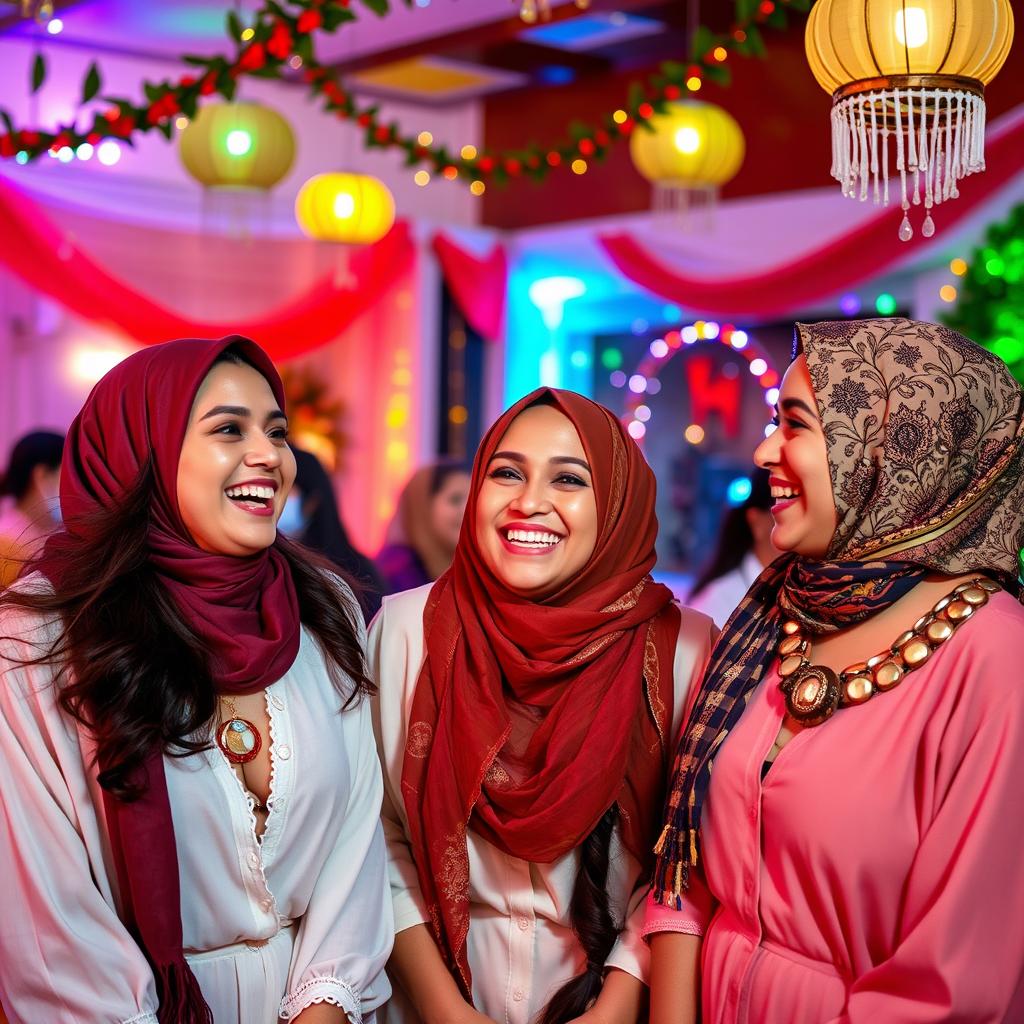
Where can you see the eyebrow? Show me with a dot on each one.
(241, 412)
(797, 403)
(558, 460)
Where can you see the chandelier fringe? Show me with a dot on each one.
(939, 138)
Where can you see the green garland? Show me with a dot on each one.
(281, 32)
(990, 298)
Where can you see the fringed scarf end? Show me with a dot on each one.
(181, 999)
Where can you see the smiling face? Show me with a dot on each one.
(235, 469)
(796, 458)
(536, 513)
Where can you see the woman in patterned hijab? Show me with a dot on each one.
(866, 875)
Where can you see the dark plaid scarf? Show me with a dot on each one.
(823, 596)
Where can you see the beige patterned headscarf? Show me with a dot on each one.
(924, 433)
(925, 437)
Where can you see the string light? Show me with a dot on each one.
(693, 83)
(694, 433)
(247, 34)
(579, 166)
(421, 178)
(468, 152)
(425, 139)
(947, 293)
(477, 187)
(620, 117)
(885, 304)
(958, 266)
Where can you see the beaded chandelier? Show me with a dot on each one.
(908, 93)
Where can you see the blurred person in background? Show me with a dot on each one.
(421, 539)
(312, 517)
(31, 510)
(744, 548)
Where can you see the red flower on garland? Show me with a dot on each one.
(280, 43)
(7, 147)
(208, 85)
(253, 58)
(309, 21)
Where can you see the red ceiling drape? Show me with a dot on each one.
(843, 262)
(478, 285)
(37, 251)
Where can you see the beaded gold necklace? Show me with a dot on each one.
(814, 692)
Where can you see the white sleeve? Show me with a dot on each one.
(346, 934)
(387, 658)
(65, 957)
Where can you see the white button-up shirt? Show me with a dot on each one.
(521, 945)
(270, 926)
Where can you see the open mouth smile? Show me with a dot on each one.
(522, 540)
(255, 497)
(783, 493)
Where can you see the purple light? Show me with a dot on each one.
(636, 429)
(849, 304)
(638, 383)
(653, 386)
(618, 379)
(659, 348)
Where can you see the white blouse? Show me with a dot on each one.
(521, 946)
(270, 926)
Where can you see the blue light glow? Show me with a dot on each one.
(739, 490)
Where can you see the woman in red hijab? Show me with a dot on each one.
(189, 821)
(527, 704)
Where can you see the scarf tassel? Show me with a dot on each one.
(676, 850)
(181, 999)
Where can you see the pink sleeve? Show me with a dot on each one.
(692, 919)
(960, 949)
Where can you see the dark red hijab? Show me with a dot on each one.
(593, 662)
(245, 610)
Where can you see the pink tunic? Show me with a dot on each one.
(877, 874)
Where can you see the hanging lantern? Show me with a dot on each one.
(353, 208)
(240, 145)
(689, 153)
(907, 83)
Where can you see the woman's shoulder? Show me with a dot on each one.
(403, 612)
(697, 632)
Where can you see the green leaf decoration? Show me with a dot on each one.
(91, 86)
(38, 72)
(235, 27)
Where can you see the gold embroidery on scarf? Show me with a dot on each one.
(652, 678)
(629, 599)
(420, 736)
(497, 777)
(453, 881)
(593, 648)
(935, 528)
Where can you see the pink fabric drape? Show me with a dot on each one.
(478, 285)
(842, 262)
(37, 251)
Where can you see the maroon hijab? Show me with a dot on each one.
(244, 609)
(593, 662)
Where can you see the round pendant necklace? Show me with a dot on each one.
(237, 737)
(814, 692)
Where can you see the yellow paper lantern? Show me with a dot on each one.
(354, 208)
(907, 82)
(691, 149)
(240, 145)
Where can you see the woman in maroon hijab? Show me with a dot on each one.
(527, 703)
(189, 820)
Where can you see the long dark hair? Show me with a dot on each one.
(590, 915)
(734, 536)
(129, 666)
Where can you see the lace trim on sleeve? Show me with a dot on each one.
(322, 990)
(680, 927)
(142, 1018)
